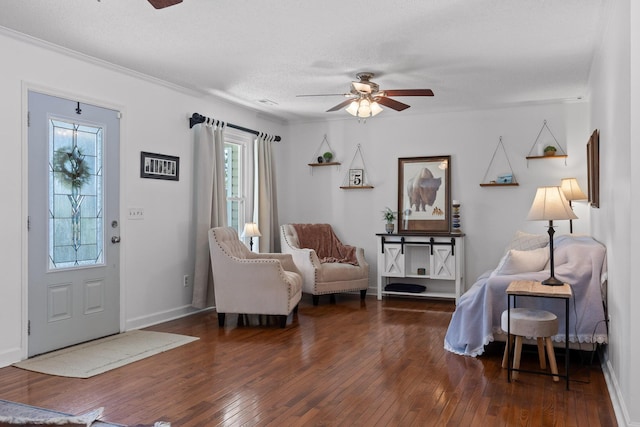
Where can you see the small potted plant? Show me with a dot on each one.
(327, 156)
(550, 150)
(389, 216)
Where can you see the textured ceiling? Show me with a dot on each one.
(471, 53)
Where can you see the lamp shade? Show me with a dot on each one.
(572, 190)
(251, 230)
(550, 204)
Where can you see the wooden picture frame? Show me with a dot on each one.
(159, 166)
(424, 195)
(593, 169)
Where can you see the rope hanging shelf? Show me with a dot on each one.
(504, 180)
(323, 157)
(531, 155)
(356, 178)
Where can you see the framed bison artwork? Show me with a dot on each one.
(424, 195)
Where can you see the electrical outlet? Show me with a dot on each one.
(136, 213)
(185, 280)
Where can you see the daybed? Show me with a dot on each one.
(579, 261)
(327, 266)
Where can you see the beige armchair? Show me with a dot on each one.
(327, 266)
(248, 283)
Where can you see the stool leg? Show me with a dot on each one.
(541, 355)
(507, 349)
(516, 356)
(552, 359)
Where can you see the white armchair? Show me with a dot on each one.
(322, 278)
(248, 283)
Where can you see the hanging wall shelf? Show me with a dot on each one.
(503, 180)
(357, 177)
(539, 146)
(324, 157)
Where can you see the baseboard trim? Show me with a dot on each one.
(10, 356)
(160, 317)
(619, 408)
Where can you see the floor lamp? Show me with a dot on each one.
(572, 191)
(549, 204)
(251, 231)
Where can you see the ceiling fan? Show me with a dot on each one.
(161, 4)
(365, 97)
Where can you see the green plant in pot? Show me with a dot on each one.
(550, 150)
(327, 156)
(389, 216)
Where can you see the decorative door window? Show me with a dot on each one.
(76, 222)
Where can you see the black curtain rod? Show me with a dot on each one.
(199, 118)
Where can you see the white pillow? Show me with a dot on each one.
(525, 241)
(516, 261)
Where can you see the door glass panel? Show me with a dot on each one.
(76, 225)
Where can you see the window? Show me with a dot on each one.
(238, 180)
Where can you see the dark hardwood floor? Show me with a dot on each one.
(377, 363)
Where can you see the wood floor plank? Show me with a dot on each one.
(377, 363)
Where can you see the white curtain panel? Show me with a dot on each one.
(210, 204)
(266, 195)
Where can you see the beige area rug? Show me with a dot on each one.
(95, 357)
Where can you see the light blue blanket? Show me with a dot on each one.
(579, 261)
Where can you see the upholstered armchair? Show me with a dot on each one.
(327, 266)
(248, 283)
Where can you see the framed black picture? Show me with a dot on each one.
(159, 166)
(424, 195)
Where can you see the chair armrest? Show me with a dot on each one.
(285, 259)
(250, 272)
(362, 261)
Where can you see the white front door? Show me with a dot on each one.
(74, 286)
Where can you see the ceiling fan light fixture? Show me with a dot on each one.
(353, 108)
(375, 108)
(362, 87)
(364, 107)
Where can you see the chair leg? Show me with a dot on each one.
(507, 348)
(295, 309)
(552, 359)
(516, 356)
(316, 299)
(282, 319)
(363, 294)
(541, 355)
(221, 320)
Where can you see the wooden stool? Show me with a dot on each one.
(527, 322)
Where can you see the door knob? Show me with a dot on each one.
(115, 239)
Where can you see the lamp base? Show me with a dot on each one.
(552, 281)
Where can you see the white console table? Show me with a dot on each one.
(434, 261)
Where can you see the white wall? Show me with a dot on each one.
(490, 215)
(615, 95)
(156, 252)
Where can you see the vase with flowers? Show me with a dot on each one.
(389, 216)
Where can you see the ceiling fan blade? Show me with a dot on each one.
(161, 4)
(391, 103)
(324, 94)
(341, 105)
(409, 92)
